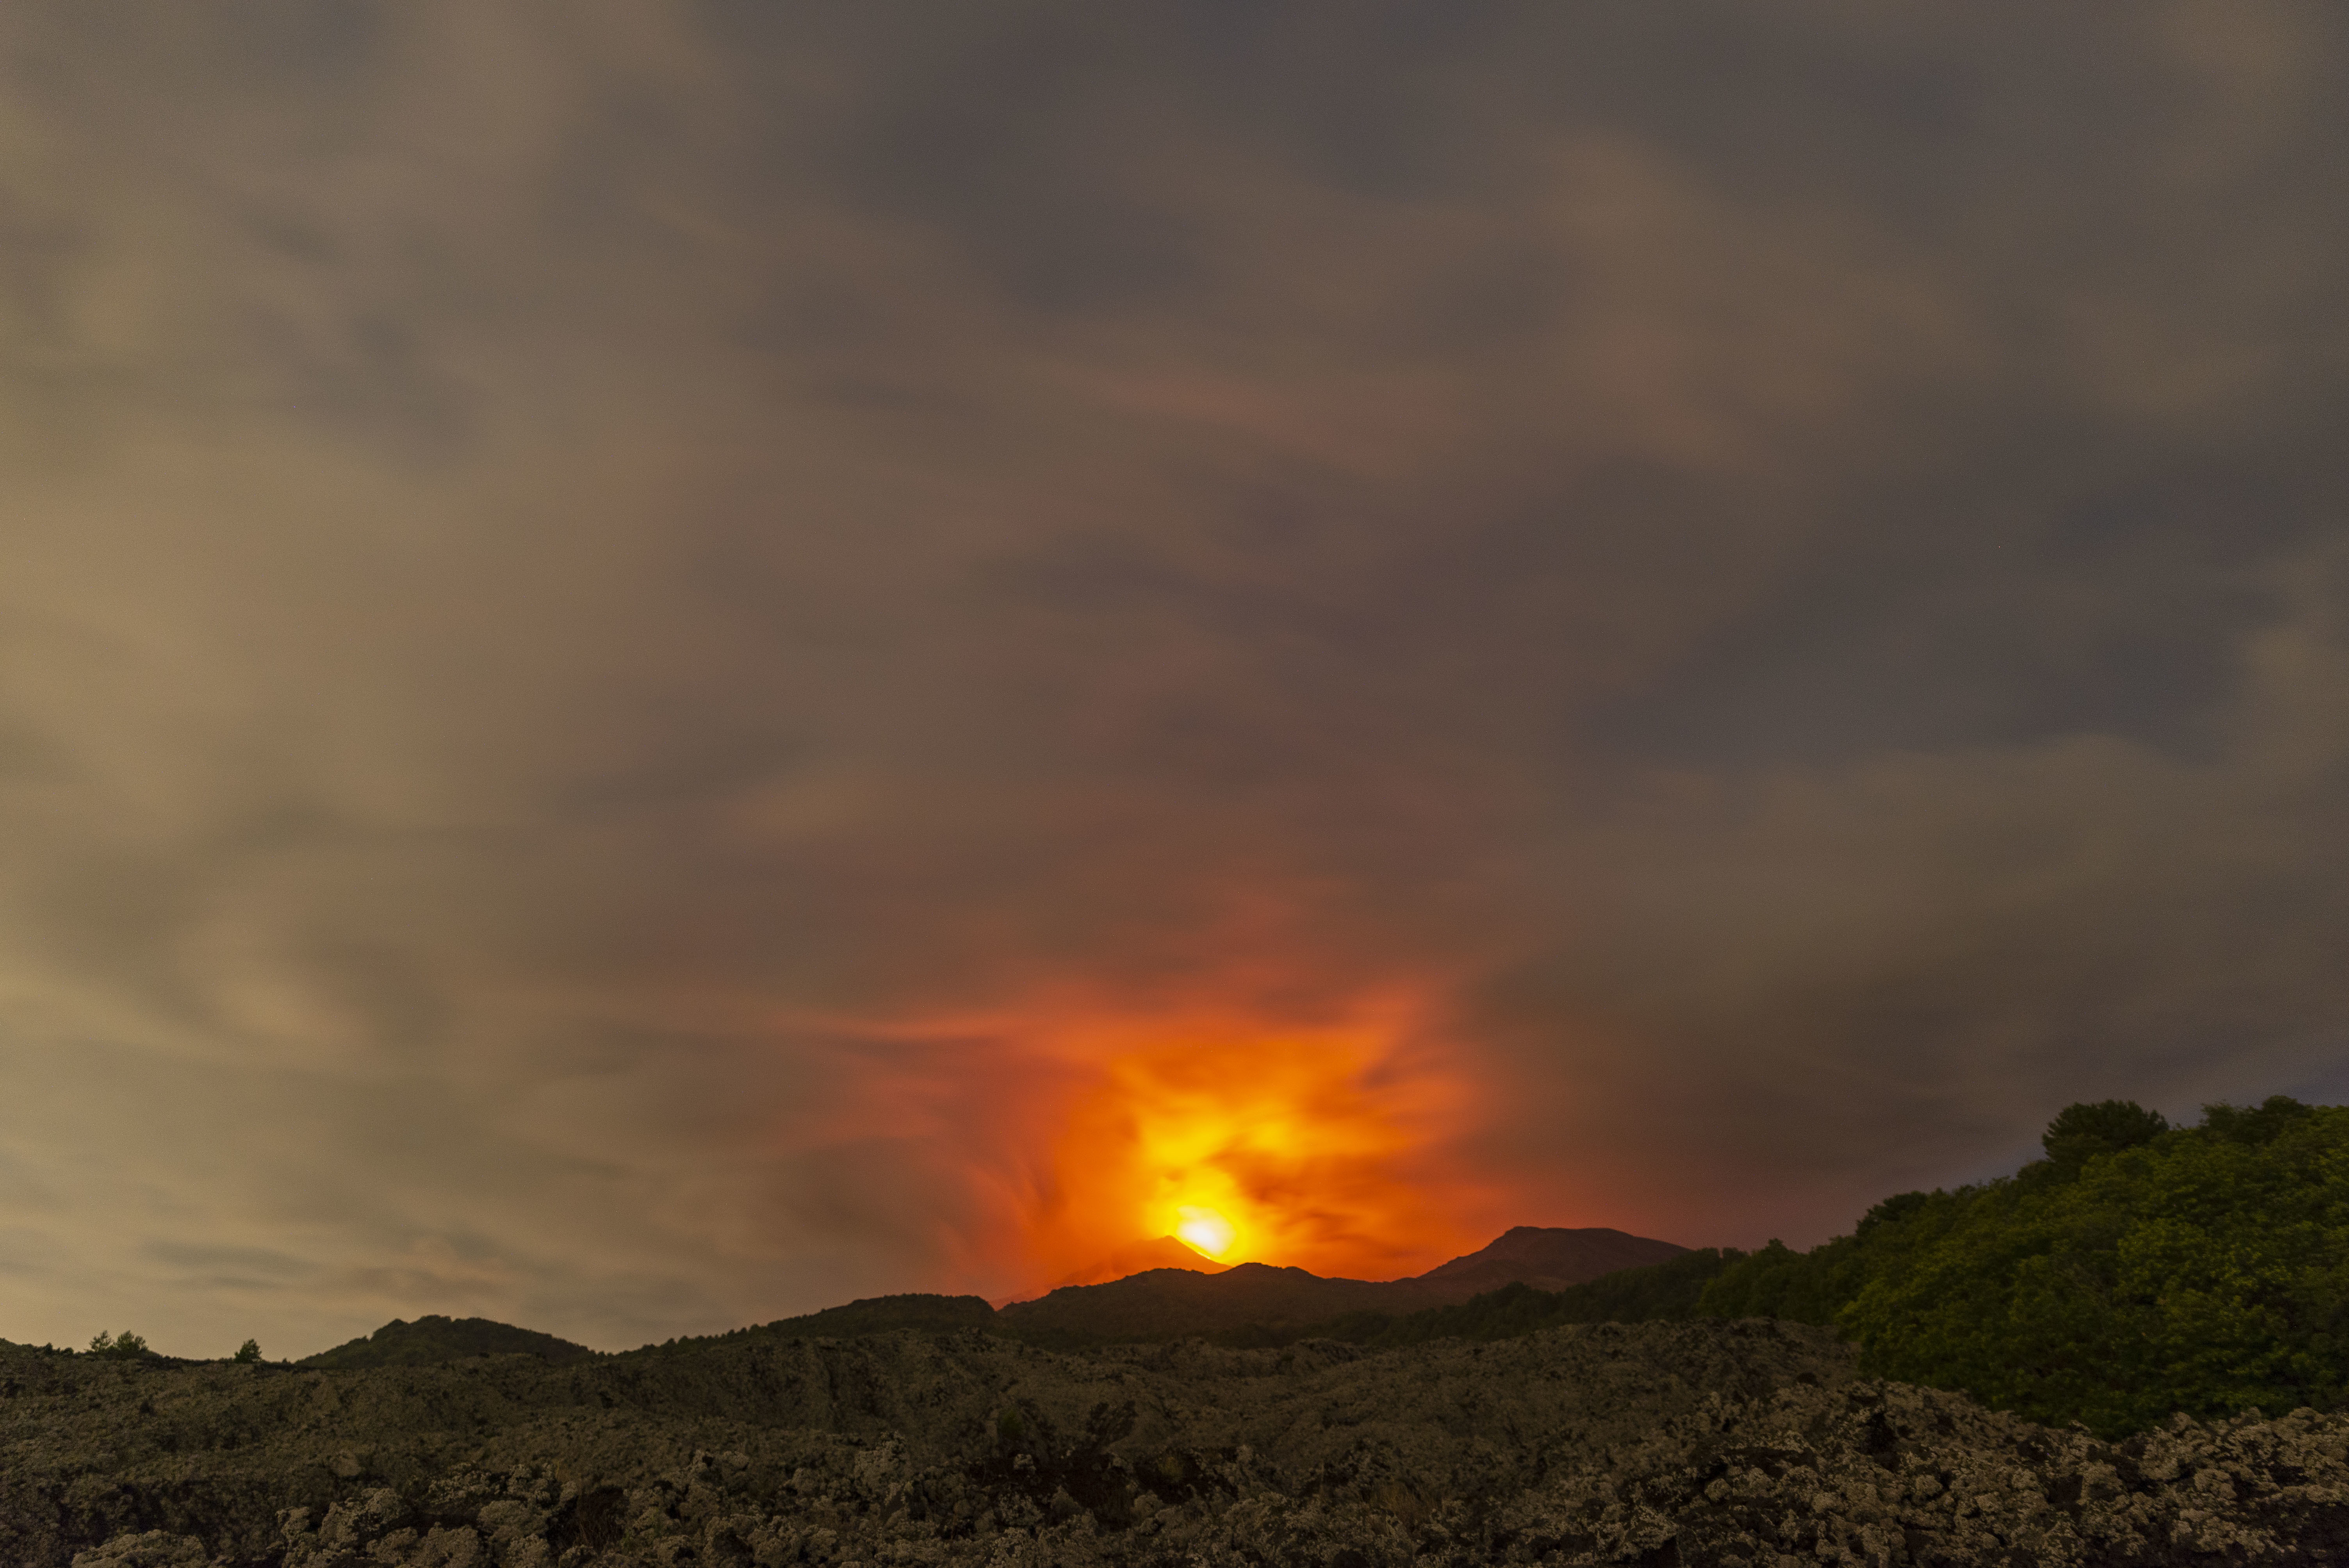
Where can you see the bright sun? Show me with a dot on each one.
(1205, 1230)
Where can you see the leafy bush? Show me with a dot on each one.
(1665, 1292)
(1817, 1285)
(125, 1347)
(2137, 1270)
(2206, 1270)
(2081, 1132)
(248, 1353)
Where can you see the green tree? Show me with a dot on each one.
(2254, 1124)
(2081, 1132)
(1779, 1282)
(2138, 1269)
(124, 1347)
(249, 1352)
(1815, 1286)
(2204, 1270)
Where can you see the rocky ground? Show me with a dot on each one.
(1696, 1443)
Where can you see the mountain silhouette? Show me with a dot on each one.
(1158, 1252)
(1549, 1258)
(431, 1340)
(1165, 1291)
(1171, 1303)
(1174, 1302)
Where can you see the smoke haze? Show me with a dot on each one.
(638, 645)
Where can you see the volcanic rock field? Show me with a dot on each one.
(1699, 1443)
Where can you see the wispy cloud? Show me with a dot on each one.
(568, 579)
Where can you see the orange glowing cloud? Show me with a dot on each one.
(1063, 1140)
(1324, 1146)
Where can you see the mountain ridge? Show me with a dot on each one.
(1551, 1257)
(1158, 1252)
(433, 1340)
(1189, 1295)
(1177, 1303)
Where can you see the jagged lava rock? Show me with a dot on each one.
(1700, 1443)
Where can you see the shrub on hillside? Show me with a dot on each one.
(2206, 1270)
(2081, 1132)
(2137, 1270)
(1817, 1285)
(1667, 1292)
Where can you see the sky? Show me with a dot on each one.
(663, 665)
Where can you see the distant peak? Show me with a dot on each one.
(1552, 1255)
(433, 1338)
(1141, 1257)
(1561, 1230)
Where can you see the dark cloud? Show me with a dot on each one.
(597, 607)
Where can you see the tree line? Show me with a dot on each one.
(2138, 1270)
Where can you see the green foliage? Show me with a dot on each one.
(1010, 1426)
(1815, 1286)
(123, 1347)
(1778, 1282)
(1669, 1291)
(2137, 1271)
(2204, 1270)
(249, 1352)
(2256, 1124)
(2081, 1132)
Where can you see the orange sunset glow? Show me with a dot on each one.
(1323, 1147)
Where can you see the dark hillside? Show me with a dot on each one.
(1158, 1252)
(430, 1340)
(1661, 1293)
(1548, 1257)
(1255, 1304)
(1174, 1303)
(872, 1314)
